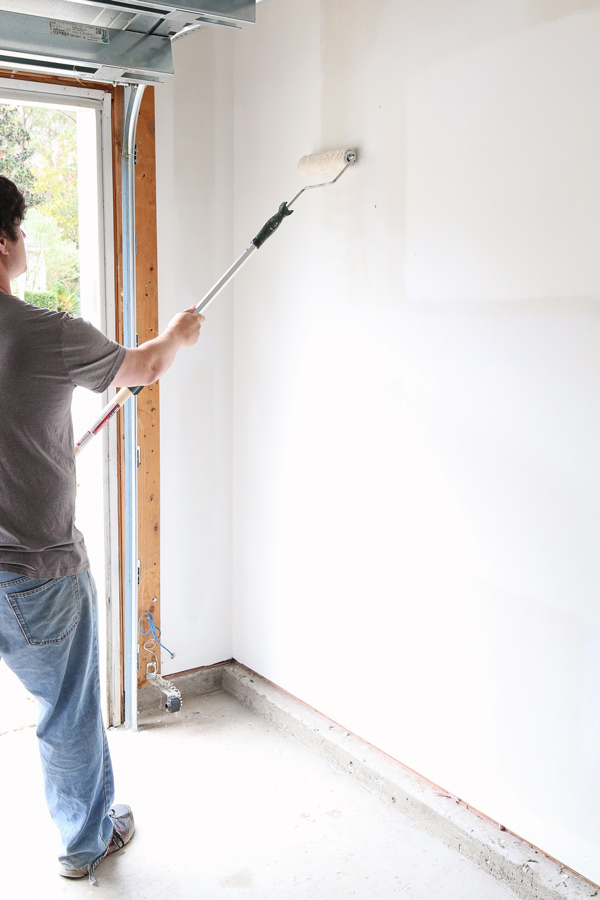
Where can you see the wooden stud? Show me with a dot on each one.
(148, 399)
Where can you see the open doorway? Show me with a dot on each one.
(55, 144)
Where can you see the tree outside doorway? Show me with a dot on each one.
(38, 151)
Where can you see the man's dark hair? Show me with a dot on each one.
(12, 208)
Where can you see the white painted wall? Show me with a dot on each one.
(194, 132)
(415, 386)
(417, 377)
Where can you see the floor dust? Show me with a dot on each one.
(226, 807)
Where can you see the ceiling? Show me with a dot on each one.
(124, 41)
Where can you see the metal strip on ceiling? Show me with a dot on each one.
(118, 41)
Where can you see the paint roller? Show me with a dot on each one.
(314, 165)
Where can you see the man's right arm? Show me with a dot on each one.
(146, 364)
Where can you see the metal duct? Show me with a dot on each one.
(124, 41)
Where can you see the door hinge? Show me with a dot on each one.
(139, 456)
(138, 571)
(135, 155)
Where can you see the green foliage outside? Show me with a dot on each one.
(38, 151)
(16, 151)
(54, 163)
(46, 299)
(57, 298)
(49, 249)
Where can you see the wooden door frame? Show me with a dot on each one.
(147, 328)
(148, 417)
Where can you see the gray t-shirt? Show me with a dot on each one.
(43, 355)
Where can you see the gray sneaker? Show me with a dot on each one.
(123, 828)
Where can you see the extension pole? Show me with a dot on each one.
(121, 398)
(317, 163)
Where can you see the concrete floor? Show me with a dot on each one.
(227, 807)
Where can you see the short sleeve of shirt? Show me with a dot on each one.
(91, 359)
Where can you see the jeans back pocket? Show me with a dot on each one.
(48, 611)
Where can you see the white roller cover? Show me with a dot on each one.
(325, 163)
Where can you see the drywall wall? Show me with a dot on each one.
(416, 381)
(391, 438)
(194, 140)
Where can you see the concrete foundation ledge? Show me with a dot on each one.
(527, 871)
(191, 684)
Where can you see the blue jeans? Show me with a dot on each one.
(48, 637)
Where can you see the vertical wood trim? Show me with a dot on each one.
(148, 399)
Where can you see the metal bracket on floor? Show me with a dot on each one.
(171, 694)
